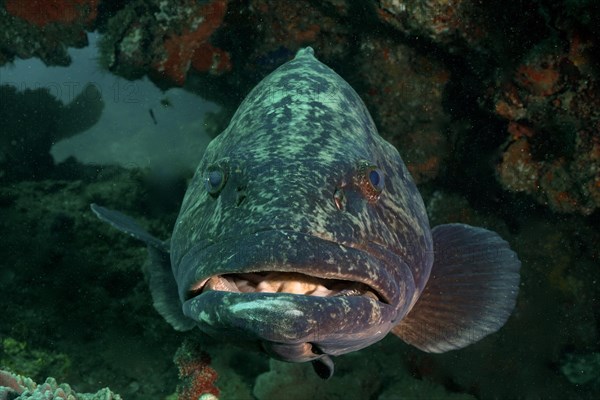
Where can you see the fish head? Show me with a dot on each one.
(301, 229)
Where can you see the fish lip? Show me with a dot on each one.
(332, 325)
(280, 250)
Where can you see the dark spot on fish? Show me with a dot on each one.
(241, 195)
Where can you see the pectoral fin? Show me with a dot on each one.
(161, 280)
(128, 225)
(164, 290)
(471, 291)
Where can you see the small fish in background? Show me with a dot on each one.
(166, 102)
(151, 112)
(303, 231)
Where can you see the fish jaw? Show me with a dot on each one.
(326, 325)
(282, 287)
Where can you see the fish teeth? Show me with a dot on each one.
(296, 287)
(245, 286)
(280, 282)
(320, 291)
(265, 286)
(222, 284)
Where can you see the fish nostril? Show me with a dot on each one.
(240, 199)
(241, 195)
(339, 198)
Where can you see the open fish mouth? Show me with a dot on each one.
(288, 262)
(286, 282)
(293, 289)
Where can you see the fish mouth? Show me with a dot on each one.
(290, 262)
(285, 282)
(290, 289)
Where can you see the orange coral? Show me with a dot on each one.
(518, 130)
(44, 12)
(579, 49)
(191, 47)
(195, 374)
(540, 81)
(211, 59)
(518, 171)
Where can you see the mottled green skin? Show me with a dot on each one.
(302, 133)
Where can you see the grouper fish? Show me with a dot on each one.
(303, 233)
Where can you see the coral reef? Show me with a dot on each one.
(466, 26)
(431, 72)
(18, 356)
(552, 103)
(237, 366)
(17, 387)
(44, 12)
(390, 381)
(546, 87)
(298, 382)
(196, 377)
(582, 369)
(75, 291)
(165, 40)
(44, 28)
(494, 106)
(32, 120)
(12, 385)
(129, 347)
(304, 24)
(410, 388)
(405, 90)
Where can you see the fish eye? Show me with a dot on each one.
(370, 179)
(376, 179)
(215, 179)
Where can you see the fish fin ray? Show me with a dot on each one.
(164, 292)
(475, 305)
(128, 225)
